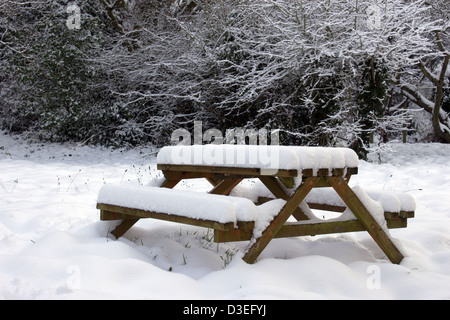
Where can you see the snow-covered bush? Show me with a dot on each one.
(326, 72)
(52, 84)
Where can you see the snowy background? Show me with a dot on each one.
(53, 246)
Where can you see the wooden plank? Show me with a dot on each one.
(323, 172)
(326, 207)
(262, 200)
(312, 229)
(170, 183)
(109, 216)
(322, 183)
(307, 173)
(180, 175)
(138, 214)
(278, 191)
(406, 214)
(246, 225)
(250, 172)
(296, 229)
(225, 187)
(234, 235)
(123, 227)
(301, 229)
(277, 223)
(363, 215)
(195, 171)
(390, 215)
(397, 223)
(213, 177)
(287, 182)
(214, 182)
(275, 187)
(242, 233)
(337, 172)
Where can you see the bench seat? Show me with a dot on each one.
(235, 218)
(391, 202)
(210, 210)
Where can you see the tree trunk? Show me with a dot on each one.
(440, 120)
(442, 131)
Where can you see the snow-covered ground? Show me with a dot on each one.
(53, 246)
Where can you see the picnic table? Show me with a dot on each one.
(300, 179)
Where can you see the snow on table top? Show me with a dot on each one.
(259, 156)
(196, 205)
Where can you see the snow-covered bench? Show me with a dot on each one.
(219, 212)
(394, 207)
(236, 218)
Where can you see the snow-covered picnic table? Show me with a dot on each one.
(298, 179)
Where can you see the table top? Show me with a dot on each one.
(251, 160)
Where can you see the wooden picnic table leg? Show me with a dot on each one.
(213, 182)
(170, 183)
(123, 227)
(225, 186)
(278, 191)
(366, 219)
(277, 223)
